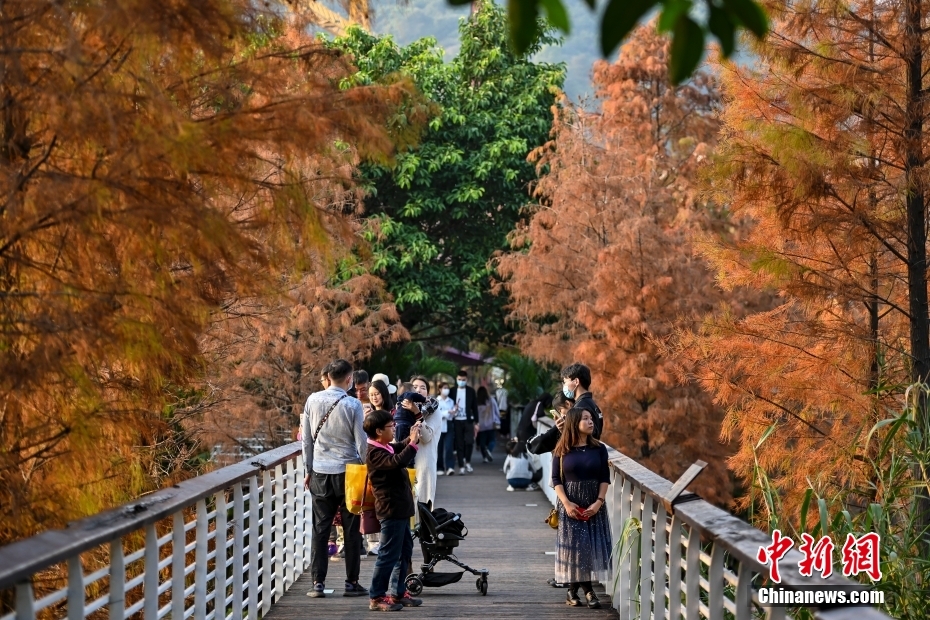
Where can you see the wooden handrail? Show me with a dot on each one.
(24, 558)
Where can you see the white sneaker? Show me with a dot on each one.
(532, 487)
(468, 467)
(461, 471)
(450, 472)
(440, 473)
(509, 487)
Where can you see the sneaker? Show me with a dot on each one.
(468, 467)
(408, 601)
(355, 589)
(532, 487)
(384, 603)
(450, 472)
(317, 591)
(374, 549)
(461, 471)
(510, 487)
(441, 472)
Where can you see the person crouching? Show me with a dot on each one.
(387, 471)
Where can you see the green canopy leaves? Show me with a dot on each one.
(435, 218)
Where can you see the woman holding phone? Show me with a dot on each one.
(581, 476)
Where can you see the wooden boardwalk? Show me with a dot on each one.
(505, 535)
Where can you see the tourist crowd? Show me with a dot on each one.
(360, 419)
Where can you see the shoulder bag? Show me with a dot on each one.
(369, 523)
(326, 417)
(553, 519)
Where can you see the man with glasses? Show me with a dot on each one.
(360, 386)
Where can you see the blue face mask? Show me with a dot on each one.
(568, 393)
(461, 383)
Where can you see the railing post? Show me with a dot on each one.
(693, 576)
(178, 565)
(289, 495)
(715, 583)
(200, 566)
(623, 570)
(238, 524)
(278, 528)
(645, 560)
(117, 596)
(25, 601)
(659, 564)
(674, 569)
(267, 540)
(220, 556)
(636, 513)
(308, 519)
(743, 596)
(255, 499)
(75, 588)
(299, 525)
(150, 582)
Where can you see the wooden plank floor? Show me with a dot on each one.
(505, 536)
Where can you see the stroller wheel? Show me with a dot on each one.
(478, 584)
(483, 587)
(413, 584)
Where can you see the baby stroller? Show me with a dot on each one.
(439, 532)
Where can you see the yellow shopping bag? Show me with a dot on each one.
(358, 489)
(359, 496)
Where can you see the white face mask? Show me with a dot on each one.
(461, 383)
(444, 391)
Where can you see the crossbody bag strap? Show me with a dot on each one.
(326, 417)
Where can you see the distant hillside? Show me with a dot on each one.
(421, 18)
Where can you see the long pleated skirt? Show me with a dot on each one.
(583, 548)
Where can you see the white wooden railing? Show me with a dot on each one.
(691, 560)
(224, 545)
(228, 544)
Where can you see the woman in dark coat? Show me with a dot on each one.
(526, 429)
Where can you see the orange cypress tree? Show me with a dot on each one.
(156, 159)
(607, 272)
(823, 149)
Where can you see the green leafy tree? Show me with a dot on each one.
(526, 378)
(402, 361)
(436, 218)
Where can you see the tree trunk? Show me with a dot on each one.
(916, 231)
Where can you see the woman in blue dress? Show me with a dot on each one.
(580, 475)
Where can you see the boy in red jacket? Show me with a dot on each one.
(394, 505)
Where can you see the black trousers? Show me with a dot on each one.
(329, 495)
(464, 441)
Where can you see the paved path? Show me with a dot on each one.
(506, 536)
